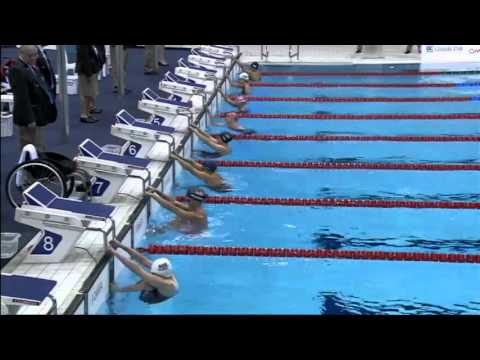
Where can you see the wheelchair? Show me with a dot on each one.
(58, 173)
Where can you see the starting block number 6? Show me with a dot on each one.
(133, 149)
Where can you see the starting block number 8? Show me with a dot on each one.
(48, 244)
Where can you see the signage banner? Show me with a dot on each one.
(99, 292)
(450, 57)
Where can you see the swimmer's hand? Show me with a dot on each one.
(151, 191)
(115, 244)
(111, 250)
(114, 287)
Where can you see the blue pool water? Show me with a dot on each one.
(353, 151)
(376, 79)
(384, 184)
(365, 108)
(250, 285)
(364, 92)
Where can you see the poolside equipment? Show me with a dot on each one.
(147, 140)
(218, 72)
(61, 222)
(55, 171)
(110, 171)
(226, 51)
(25, 290)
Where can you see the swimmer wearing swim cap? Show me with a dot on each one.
(220, 146)
(244, 77)
(239, 101)
(253, 71)
(243, 83)
(191, 217)
(206, 171)
(158, 283)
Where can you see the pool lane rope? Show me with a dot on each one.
(400, 138)
(348, 165)
(327, 202)
(370, 85)
(467, 116)
(363, 99)
(366, 73)
(309, 253)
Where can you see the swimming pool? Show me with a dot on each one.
(269, 285)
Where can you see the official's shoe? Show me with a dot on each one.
(89, 120)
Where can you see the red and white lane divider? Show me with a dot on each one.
(366, 73)
(357, 85)
(400, 138)
(309, 253)
(359, 99)
(467, 116)
(348, 165)
(339, 202)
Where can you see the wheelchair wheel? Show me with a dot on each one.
(26, 174)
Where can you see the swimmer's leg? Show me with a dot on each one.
(248, 131)
(221, 188)
(207, 154)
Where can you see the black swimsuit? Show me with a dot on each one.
(151, 295)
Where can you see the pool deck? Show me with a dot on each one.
(332, 55)
(72, 273)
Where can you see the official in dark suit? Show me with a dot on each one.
(46, 68)
(34, 104)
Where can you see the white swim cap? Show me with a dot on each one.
(162, 267)
(244, 76)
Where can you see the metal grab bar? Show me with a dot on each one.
(54, 308)
(297, 54)
(264, 54)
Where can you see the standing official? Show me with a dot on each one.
(151, 63)
(89, 64)
(34, 104)
(115, 72)
(46, 68)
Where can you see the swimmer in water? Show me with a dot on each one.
(233, 123)
(252, 70)
(243, 83)
(191, 217)
(239, 101)
(158, 283)
(205, 171)
(220, 144)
